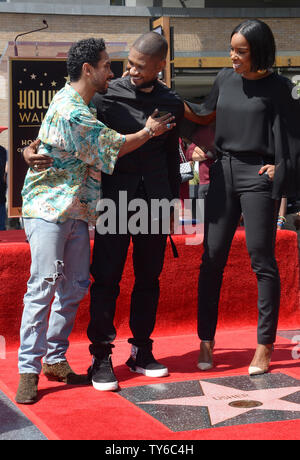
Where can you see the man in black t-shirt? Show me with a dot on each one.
(150, 172)
(3, 186)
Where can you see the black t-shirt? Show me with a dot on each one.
(126, 109)
(3, 159)
(258, 117)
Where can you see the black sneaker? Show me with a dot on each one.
(142, 361)
(102, 375)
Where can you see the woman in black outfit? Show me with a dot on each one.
(257, 143)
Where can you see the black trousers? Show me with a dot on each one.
(235, 188)
(109, 257)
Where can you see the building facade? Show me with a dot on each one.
(201, 28)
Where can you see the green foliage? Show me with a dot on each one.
(195, 180)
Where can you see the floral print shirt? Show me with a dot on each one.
(82, 147)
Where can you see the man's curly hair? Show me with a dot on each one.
(86, 50)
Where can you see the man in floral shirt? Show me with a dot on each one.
(58, 204)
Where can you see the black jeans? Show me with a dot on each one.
(109, 257)
(235, 188)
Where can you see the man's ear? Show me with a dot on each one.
(162, 65)
(86, 69)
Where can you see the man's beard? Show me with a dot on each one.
(103, 88)
(147, 84)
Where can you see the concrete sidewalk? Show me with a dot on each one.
(14, 425)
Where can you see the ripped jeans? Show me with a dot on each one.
(60, 268)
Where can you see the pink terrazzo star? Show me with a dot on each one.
(225, 403)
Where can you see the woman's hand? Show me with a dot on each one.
(269, 169)
(198, 155)
(159, 125)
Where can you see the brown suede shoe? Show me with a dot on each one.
(27, 390)
(62, 372)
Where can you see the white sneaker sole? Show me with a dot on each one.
(151, 373)
(111, 386)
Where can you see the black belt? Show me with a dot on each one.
(266, 158)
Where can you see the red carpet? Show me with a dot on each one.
(177, 307)
(65, 412)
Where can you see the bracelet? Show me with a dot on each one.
(149, 131)
(282, 219)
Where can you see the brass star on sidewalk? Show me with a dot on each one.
(224, 403)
